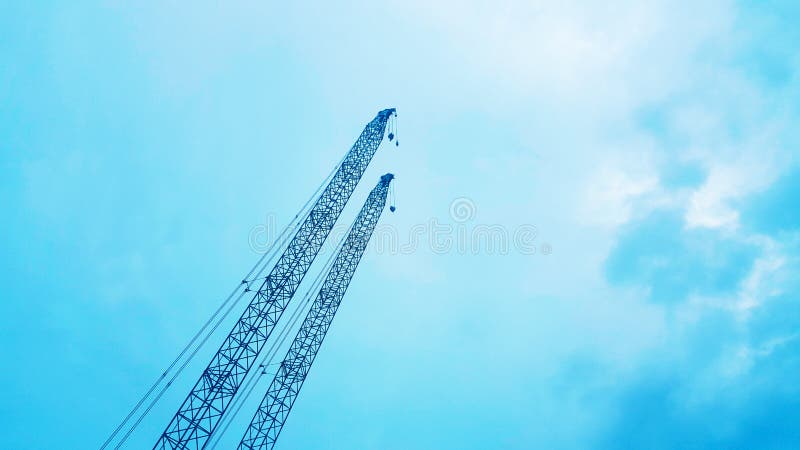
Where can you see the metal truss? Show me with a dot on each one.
(268, 421)
(203, 408)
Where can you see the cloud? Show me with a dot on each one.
(613, 193)
(708, 205)
(716, 384)
(579, 52)
(718, 379)
(672, 262)
(653, 415)
(641, 138)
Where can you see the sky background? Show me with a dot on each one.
(653, 145)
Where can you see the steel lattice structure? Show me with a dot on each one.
(203, 408)
(268, 421)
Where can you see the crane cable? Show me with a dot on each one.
(392, 126)
(253, 381)
(276, 345)
(182, 367)
(184, 350)
(392, 199)
(396, 138)
(271, 252)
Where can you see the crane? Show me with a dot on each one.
(200, 412)
(274, 409)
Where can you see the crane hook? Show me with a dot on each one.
(392, 208)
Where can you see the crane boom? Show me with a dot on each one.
(268, 421)
(200, 413)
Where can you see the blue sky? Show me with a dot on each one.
(653, 145)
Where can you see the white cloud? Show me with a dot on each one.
(601, 56)
(710, 205)
(612, 193)
(760, 284)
